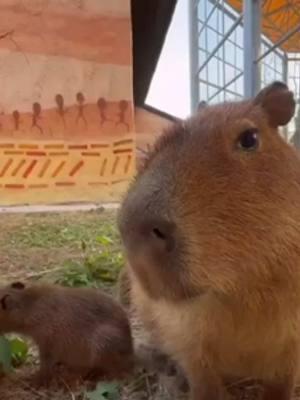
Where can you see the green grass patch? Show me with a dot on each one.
(47, 232)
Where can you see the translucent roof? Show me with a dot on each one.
(278, 18)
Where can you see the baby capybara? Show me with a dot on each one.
(211, 227)
(81, 329)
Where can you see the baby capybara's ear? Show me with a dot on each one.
(7, 302)
(18, 285)
(278, 102)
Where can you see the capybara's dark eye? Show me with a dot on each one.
(248, 140)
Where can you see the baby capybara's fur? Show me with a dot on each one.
(82, 329)
(211, 228)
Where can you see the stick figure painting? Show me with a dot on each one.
(66, 101)
(79, 84)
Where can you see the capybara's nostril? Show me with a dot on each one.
(159, 233)
(156, 234)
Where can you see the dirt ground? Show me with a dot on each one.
(77, 248)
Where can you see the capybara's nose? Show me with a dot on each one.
(157, 234)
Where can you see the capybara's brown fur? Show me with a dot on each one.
(82, 329)
(211, 228)
(123, 287)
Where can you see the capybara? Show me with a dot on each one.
(211, 228)
(81, 329)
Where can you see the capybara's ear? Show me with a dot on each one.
(18, 285)
(7, 302)
(202, 105)
(278, 102)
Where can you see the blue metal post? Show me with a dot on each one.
(252, 46)
(194, 54)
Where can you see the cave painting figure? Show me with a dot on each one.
(36, 116)
(102, 107)
(80, 100)
(59, 100)
(16, 119)
(123, 107)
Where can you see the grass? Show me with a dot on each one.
(48, 231)
(33, 243)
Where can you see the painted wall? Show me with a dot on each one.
(66, 110)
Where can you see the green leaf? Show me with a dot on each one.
(5, 354)
(104, 240)
(19, 351)
(105, 391)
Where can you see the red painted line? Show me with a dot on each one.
(65, 183)
(14, 186)
(98, 183)
(122, 142)
(123, 151)
(28, 146)
(115, 165)
(18, 167)
(90, 153)
(127, 165)
(58, 169)
(77, 146)
(119, 181)
(54, 146)
(38, 186)
(76, 168)
(44, 168)
(103, 166)
(6, 146)
(6, 166)
(13, 152)
(59, 153)
(99, 146)
(29, 169)
(36, 153)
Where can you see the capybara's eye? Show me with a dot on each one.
(248, 140)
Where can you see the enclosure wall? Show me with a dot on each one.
(66, 110)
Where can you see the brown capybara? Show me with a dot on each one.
(211, 227)
(81, 329)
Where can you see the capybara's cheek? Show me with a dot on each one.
(170, 276)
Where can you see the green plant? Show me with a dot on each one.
(19, 350)
(100, 265)
(13, 353)
(75, 274)
(104, 265)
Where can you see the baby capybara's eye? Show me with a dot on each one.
(249, 140)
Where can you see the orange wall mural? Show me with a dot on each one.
(66, 108)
